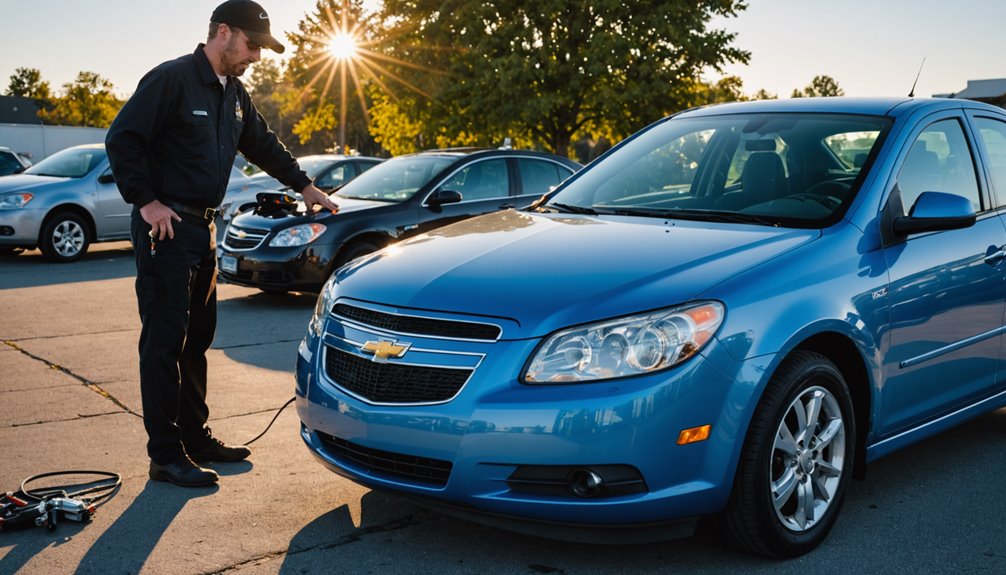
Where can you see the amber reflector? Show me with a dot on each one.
(694, 434)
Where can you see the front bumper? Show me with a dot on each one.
(301, 268)
(20, 227)
(496, 428)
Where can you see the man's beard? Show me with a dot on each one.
(229, 59)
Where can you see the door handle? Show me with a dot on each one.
(508, 206)
(995, 255)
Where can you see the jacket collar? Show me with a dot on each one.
(203, 65)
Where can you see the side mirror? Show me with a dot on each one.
(106, 179)
(441, 197)
(936, 211)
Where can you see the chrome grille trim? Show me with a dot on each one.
(253, 238)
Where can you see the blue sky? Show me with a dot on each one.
(873, 48)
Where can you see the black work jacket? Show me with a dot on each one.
(176, 137)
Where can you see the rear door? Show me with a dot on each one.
(946, 290)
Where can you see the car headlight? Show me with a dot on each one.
(15, 200)
(625, 346)
(322, 308)
(297, 235)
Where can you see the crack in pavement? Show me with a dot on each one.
(241, 345)
(79, 416)
(402, 523)
(41, 337)
(86, 382)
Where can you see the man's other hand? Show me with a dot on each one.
(315, 197)
(159, 217)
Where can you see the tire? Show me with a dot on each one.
(353, 251)
(65, 237)
(805, 462)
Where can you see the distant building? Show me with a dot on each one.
(18, 110)
(988, 91)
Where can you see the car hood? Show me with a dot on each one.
(284, 220)
(547, 271)
(25, 182)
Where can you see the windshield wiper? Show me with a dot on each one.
(572, 209)
(721, 216)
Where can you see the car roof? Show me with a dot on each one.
(337, 157)
(838, 105)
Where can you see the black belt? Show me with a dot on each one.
(205, 213)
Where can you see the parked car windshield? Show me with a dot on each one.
(397, 179)
(794, 170)
(69, 163)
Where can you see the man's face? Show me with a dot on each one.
(239, 52)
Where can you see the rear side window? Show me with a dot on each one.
(939, 161)
(538, 177)
(993, 137)
(481, 180)
(8, 163)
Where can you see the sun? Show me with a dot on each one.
(342, 46)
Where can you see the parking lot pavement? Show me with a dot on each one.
(70, 400)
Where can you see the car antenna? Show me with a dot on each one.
(912, 93)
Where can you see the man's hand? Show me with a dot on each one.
(159, 217)
(315, 197)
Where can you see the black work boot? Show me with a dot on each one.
(216, 450)
(184, 472)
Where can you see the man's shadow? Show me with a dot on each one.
(378, 513)
(142, 525)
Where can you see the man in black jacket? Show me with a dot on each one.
(171, 149)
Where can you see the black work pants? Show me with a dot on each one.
(176, 293)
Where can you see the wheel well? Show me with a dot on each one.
(844, 354)
(73, 208)
(378, 239)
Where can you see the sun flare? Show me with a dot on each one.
(342, 46)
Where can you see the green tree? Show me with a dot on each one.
(277, 100)
(87, 101)
(820, 86)
(726, 89)
(544, 72)
(28, 83)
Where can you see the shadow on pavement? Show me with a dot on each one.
(102, 262)
(336, 528)
(127, 544)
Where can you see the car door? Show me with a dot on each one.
(990, 132)
(112, 212)
(484, 186)
(946, 288)
(536, 177)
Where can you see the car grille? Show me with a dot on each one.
(419, 325)
(423, 469)
(391, 382)
(244, 238)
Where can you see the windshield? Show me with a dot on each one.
(794, 170)
(397, 179)
(69, 163)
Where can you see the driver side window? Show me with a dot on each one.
(939, 161)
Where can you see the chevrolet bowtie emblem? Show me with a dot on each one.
(384, 350)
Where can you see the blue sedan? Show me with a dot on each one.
(729, 314)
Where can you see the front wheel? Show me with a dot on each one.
(65, 237)
(797, 460)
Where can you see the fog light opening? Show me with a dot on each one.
(694, 435)
(585, 483)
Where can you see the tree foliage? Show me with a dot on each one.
(820, 86)
(28, 83)
(548, 71)
(87, 101)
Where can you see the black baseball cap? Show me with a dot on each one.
(251, 18)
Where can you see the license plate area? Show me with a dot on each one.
(229, 264)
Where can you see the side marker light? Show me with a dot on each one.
(694, 435)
